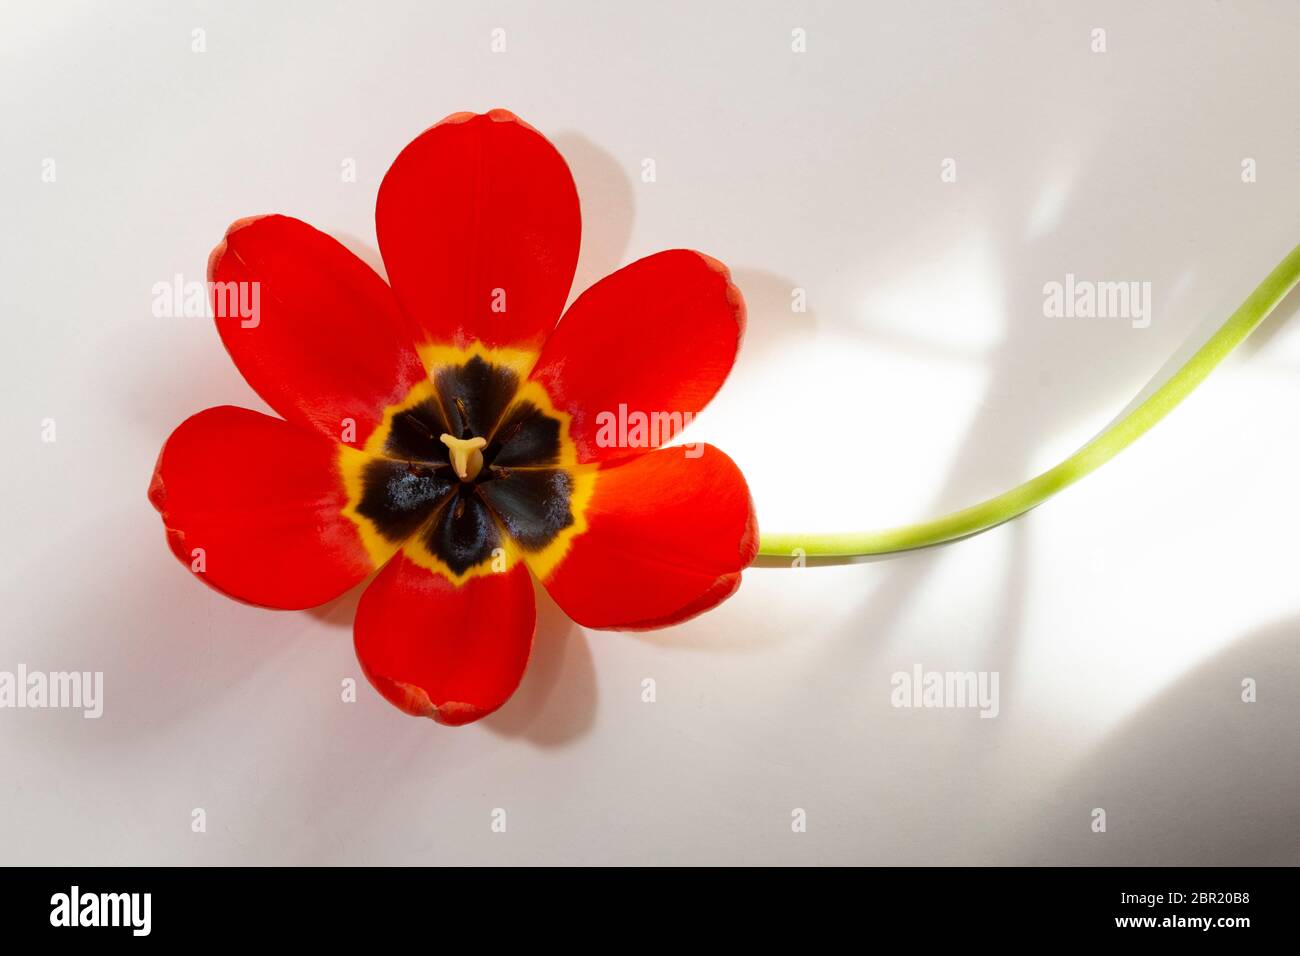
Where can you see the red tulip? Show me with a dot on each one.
(448, 434)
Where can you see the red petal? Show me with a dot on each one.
(476, 204)
(666, 538)
(263, 500)
(328, 342)
(436, 649)
(658, 336)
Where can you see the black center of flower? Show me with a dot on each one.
(517, 488)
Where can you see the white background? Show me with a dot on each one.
(1121, 616)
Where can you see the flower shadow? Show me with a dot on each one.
(771, 322)
(556, 702)
(605, 194)
(1194, 777)
(169, 648)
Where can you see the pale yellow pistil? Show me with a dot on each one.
(466, 455)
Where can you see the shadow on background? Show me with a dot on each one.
(1195, 776)
(556, 702)
(605, 194)
(770, 324)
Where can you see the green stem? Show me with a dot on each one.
(1097, 452)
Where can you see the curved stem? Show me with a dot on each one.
(1097, 452)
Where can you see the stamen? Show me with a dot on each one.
(420, 426)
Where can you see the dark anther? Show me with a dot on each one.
(415, 420)
(514, 430)
(464, 418)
